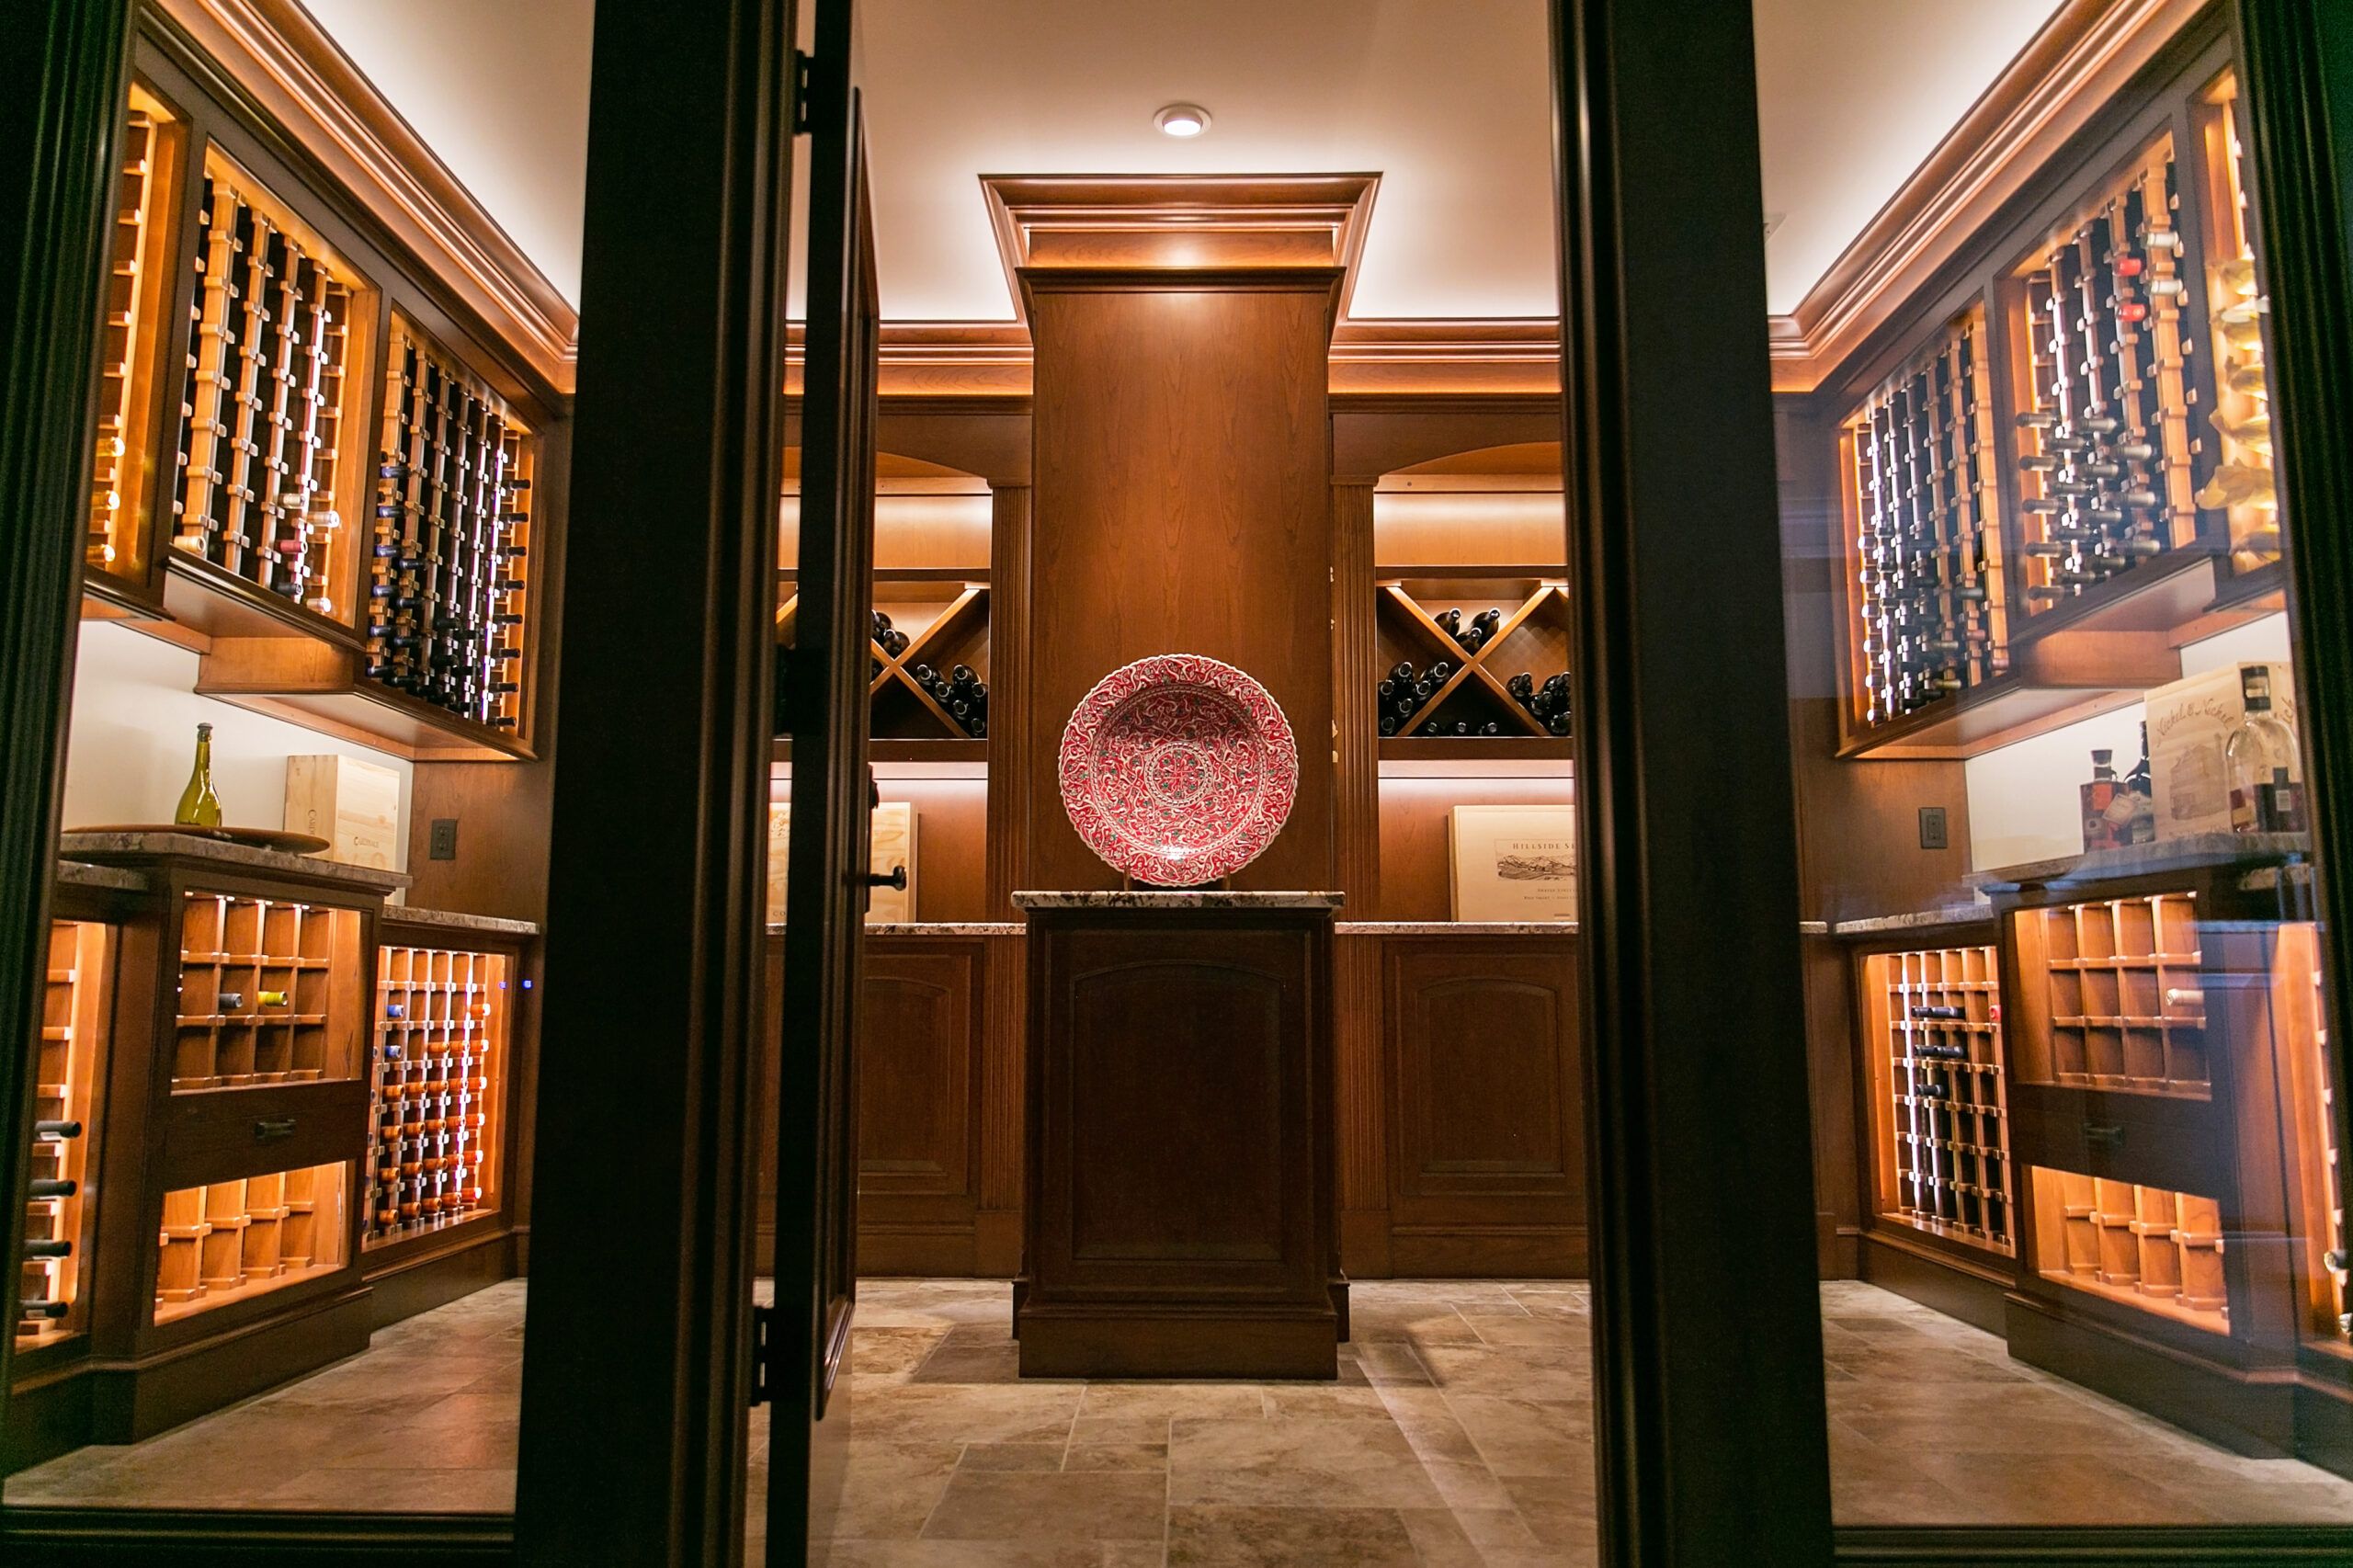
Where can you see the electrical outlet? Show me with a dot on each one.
(1932, 828)
(444, 843)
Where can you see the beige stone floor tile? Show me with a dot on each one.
(1074, 1505)
(1011, 1456)
(1431, 1425)
(1324, 1401)
(398, 1490)
(968, 1354)
(2058, 1489)
(1390, 1362)
(890, 1352)
(1250, 1536)
(1116, 1456)
(1469, 1484)
(1100, 1429)
(992, 1554)
(1529, 1330)
(966, 1412)
(1167, 1401)
(889, 1489)
(1521, 1372)
(1418, 1323)
(1337, 1464)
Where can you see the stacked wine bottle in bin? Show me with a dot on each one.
(963, 694)
(1474, 634)
(444, 591)
(2108, 416)
(1547, 704)
(887, 637)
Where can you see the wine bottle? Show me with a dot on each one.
(47, 1311)
(229, 1002)
(51, 1186)
(199, 806)
(57, 1131)
(1953, 1013)
(48, 1249)
(273, 998)
(2266, 775)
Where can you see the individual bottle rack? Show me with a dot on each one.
(1933, 618)
(64, 1065)
(2143, 1246)
(1441, 649)
(257, 990)
(449, 576)
(231, 1240)
(1946, 1143)
(2121, 992)
(138, 289)
(440, 1029)
(2240, 488)
(262, 417)
(2104, 441)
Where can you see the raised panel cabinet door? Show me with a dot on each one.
(1487, 1118)
(914, 1075)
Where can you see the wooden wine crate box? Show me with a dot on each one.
(355, 805)
(2189, 722)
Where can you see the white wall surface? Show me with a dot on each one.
(134, 740)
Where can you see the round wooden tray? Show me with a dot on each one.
(281, 839)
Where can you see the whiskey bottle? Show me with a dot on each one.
(2095, 797)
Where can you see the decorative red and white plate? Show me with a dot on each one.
(1178, 770)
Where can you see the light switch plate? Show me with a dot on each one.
(1933, 834)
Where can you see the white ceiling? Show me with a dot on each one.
(1447, 103)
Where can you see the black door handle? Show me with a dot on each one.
(897, 879)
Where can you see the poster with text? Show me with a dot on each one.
(1513, 862)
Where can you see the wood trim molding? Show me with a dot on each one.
(2082, 57)
(300, 77)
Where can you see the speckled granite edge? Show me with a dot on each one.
(1211, 898)
(1456, 928)
(2143, 860)
(1917, 920)
(115, 878)
(931, 928)
(103, 847)
(455, 920)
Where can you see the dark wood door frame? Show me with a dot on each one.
(1709, 1426)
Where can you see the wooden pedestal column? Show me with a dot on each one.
(1180, 1106)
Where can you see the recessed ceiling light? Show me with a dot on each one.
(1182, 119)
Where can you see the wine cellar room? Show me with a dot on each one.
(1222, 602)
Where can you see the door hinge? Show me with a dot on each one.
(801, 65)
(763, 1320)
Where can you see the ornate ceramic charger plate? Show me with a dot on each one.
(1177, 769)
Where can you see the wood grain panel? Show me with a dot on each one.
(1415, 878)
(1486, 1145)
(1356, 658)
(1181, 505)
(1361, 1093)
(916, 1106)
(1009, 781)
(1003, 1046)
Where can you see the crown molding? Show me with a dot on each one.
(2082, 57)
(300, 77)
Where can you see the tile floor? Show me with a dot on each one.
(1459, 1433)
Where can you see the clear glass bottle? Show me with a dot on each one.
(2267, 778)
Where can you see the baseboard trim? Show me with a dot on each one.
(178, 1538)
(2002, 1546)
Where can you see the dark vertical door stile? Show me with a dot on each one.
(826, 887)
(637, 1367)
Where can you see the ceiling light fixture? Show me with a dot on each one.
(1182, 120)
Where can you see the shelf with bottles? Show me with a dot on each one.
(268, 993)
(438, 1082)
(226, 1242)
(2239, 484)
(2307, 1072)
(1472, 662)
(2146, 1247)
(1939, 1106)
(66, 1072)
(928, 662)
(271, 460)
(120, 548)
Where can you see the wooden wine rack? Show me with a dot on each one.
(944, 617)
(229, 1241)
(267, 992)
(449, 584)
(138, 298)
(2099, 365)
(261, 432)
(1927, 593)
(1942, 1102)
(66, 1073)
(2142, 1246)
(438, 1078)
(2240, 488)
(1531, 636)
(2309, 1091)
(2111, 997)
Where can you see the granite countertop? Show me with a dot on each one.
(2145, 859)
(1209, 898)
(115, 878)
(106, 846)
(930, 928)
(1917, 920)
(452, 920)
(1456, 928)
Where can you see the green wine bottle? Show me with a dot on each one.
(199, 806)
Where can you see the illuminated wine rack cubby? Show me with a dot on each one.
(66, 1054)
(2240, 487)
(267, 987)
(1931, 617)
(2142, 1246)
(264, 415)
(228, 1241)
(448, 580)
(1469, 657)
(138, 298)
(442, 1019)
(2113, 998)
(1943, 1118)
(2103, 390)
